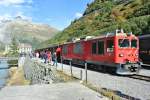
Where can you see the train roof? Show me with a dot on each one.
(144, 36)
(49, 46)
(108, 35)
(88, 38)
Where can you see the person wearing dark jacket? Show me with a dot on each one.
(45, 57)
(54, 59)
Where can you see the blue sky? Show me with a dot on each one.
(57, 13)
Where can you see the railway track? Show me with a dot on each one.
(136, 76)
(141, 77)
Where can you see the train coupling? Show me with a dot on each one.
(128, 69)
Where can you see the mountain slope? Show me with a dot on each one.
(103, 16)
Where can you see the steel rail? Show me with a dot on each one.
(141, 77)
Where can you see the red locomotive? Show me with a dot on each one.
(117, 50)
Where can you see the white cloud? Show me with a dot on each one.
(30, 1)
(78, 15)
(11, 2)
(14, 2)
(10, 17)
(23, 16)
(5, 17)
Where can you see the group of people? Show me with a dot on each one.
(47, 56)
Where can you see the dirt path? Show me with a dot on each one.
(17, 77)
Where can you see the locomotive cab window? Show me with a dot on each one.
(134, 43)
(110, 45)
(101, 47)
(94, 46)
(124, 43)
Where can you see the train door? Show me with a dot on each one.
(110, 50)
(64, 51)
(98, 51)
(78, 51)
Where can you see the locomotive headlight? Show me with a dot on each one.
(120, 55)
(136, 55)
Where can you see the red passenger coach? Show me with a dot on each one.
(114, 50)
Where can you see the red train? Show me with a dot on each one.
(117, 50)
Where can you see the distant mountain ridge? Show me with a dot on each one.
(25, 31)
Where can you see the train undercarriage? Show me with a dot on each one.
(128, 69)
(120, 69)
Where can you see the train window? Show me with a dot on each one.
(110, 45)
(124, 43)
(94, 46)
(78, 49)
(134, 43)
(143, 43)
(101, 47)
(64, 49)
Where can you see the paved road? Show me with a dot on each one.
(60, 91)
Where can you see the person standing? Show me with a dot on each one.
(37, 54)
(45, 57)
(55, 59)
(49, 56)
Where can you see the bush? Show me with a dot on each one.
(144, 10)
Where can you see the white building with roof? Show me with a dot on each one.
(24, 48)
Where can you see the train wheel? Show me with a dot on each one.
(103, 69)
(99, 68)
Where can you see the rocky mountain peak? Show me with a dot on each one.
(25, 31)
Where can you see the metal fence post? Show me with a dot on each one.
(55, 63)
(80, 74)
(70, 67)
(85, 72)
(62, 63)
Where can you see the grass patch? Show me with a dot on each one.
(17, 77)
(105, 92)
(64, 77)
(12, 63)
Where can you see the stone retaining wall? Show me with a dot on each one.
(38, 72)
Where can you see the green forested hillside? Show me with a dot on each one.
(103, 16)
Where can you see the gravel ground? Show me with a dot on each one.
(60, 91)
(127, 86)
(145, 72)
